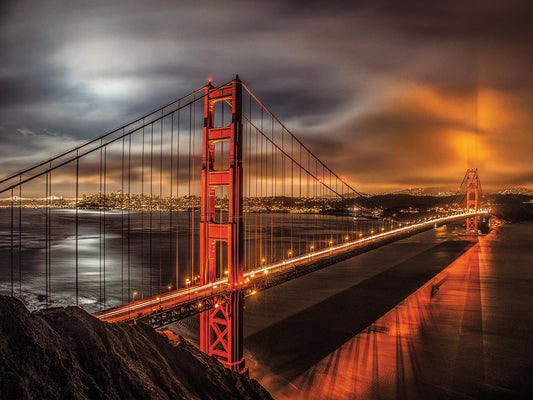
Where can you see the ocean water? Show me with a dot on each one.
(436, 316)
(121, 252)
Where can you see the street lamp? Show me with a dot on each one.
(187, 284)
(134, 294)
(169, 287)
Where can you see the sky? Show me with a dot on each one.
(388, 94)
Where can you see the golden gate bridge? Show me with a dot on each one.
(188, 210)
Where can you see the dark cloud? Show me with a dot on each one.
(348, 77)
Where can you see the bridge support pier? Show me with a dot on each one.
(221, 329)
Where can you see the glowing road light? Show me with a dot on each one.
(226, 272)
(134, 294)
(346, 238)
(253, 275)
(199, 304)
(360, 234)
(290, 253)
(266, 271)
(216, 305)
(187, 281)
(263, 261)
(330, 242)
(169, 287)
(253, 292)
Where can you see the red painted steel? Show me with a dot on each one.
(221, 331)
(472, 200)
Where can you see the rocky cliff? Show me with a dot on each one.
(65, 353)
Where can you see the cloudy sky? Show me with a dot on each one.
(391, 94)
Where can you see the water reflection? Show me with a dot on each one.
(390, 358)
(122, 252)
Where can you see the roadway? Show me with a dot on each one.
(194, 299)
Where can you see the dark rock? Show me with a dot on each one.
(66, 353)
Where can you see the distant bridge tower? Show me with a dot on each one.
(221, 330)
(472, 199)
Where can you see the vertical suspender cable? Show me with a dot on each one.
(272, 193)
(171, 201)
(129, 217)
(50, 239)
(122, 221)
(193, 183)
(191, 204)
(151, 204)
(104, 225)
(301, 202)
(77, 223)
(160, 203)
(46, 238)
(20, 238)
(292, 197)
(100, 199)
(178, 197)
(260, 156)
(142, 215)
(11, 250)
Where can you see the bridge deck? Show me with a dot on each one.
(178, 304)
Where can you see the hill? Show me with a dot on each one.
(66, 353)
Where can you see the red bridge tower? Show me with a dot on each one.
(472, 199)
(221, 331)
